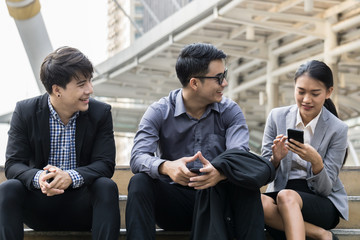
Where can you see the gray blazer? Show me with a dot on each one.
(330, 140)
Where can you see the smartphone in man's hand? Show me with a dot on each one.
(195, 170)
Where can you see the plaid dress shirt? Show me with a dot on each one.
(62, 147)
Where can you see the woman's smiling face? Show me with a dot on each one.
(310, 95)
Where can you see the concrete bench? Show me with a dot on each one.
(346, 230)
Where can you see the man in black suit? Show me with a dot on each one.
(60, 156)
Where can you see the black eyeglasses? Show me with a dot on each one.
(220, 78)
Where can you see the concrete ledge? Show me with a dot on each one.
(343, 234)
(30, 234)
(345, 231)
(347, 234)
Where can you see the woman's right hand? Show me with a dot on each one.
(279, 149)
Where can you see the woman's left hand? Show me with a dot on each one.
(306, 152)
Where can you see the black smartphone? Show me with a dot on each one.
(296, 134)
(195, 170)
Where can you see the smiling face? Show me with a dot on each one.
(77, 93)
(210, 90)
(74, 97)
(310, 95)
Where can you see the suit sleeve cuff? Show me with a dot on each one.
(36, 179)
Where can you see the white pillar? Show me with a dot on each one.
(33, 33)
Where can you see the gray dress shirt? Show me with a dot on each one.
(167, 132)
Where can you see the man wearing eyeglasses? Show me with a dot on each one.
(177, 138)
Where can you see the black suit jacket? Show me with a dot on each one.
(28, 145)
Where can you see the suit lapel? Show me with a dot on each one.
(43, 114)
(320, 129)
(81, 126)
(319, 134)
(290, 123)
(290, 118)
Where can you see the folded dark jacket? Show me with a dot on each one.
(244, 168)
(219, 211)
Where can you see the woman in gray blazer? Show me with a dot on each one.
(307, 197)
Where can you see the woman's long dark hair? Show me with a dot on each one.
(320, 71)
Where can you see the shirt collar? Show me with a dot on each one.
(311, 124)
(180, 106)
(56, 115)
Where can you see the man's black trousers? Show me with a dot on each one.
(171, 207)
(92, 208)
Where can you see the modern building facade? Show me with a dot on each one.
(130, 19)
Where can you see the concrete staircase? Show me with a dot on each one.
(350, 230)
(346, 230)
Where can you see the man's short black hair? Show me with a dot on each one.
(60, 66)
(194, 59)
